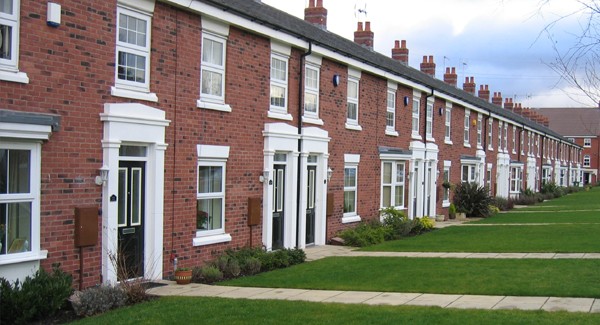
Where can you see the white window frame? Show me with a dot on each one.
(522, 136)
(416, 112)
(353, 99)
(394, 183)
(429, 120)
(500, 127)
(217, 32)
(491, 134)
(489, 178)
(471, 172)
(505, 137)
(467, 129)
(9, 68)
(448, 125)
(391, 100)
(516, 179)
(446, 178)
(587, 142)
(312, 90)
(276, 110)
(587, 160)
(351, 161)
(546, 174)
(215, 156)
(33, 196)
(514, 139)
(126, 88)
(479, 131)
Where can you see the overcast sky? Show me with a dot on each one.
(499, 42)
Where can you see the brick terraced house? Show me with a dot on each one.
(145, 131)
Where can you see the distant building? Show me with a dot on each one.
(582, 127)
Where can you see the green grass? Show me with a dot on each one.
(519, 277)
(569, 238)
(518, 216)
(197, 310)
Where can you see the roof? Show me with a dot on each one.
(573, 122)
(284, 22)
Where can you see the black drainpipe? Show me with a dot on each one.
(425, 196)
(300, 106)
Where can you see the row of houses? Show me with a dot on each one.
(137, 132)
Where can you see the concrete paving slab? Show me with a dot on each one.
(568, 255)
(521, 303)
(591, 256)
(511, 255)
(483, 255)
(456, 255)
(279, 294)
(431, 254)
(428, 299)
(316, 295)
(568, 304)
(540, 255)
(352, 297)
(392, 298)
(244, 292)
(208, 291)
(596, 306)
(475, 302)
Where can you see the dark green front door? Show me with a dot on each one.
(131, 196)
(310, 205)
(278, 205)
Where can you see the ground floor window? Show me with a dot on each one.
(392, 184)
(446, 184)
(469, 172)
(351, 188)
(516, 179)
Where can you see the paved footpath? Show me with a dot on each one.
(586, 305)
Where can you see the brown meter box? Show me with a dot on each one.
(86, 226)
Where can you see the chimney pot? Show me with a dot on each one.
(400, 52)
(397, 44)
(404, 46)
(316, 14)
(450, 76)
(364, 37)
(319, 4)
(428, 65)
(368, 26)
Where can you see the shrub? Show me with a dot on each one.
(39, 296)
(452, 211)
(97, 300)
(421, 225)
(251, 265)
(232, 268)
(501, 203)
(207, 274)
(396, 223)
(297, 256)
(365, 234)
(494, 210)
(472, 199)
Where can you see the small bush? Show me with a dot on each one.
(36, 297)
(421, 225)
(452, 211)
(297, 256)
(365, 234)
(494, 210)
(397, 224)
(501, 203)
(472, 199)
(251, 265)
(98, 300)
(208, 274)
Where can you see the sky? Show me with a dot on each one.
(501, 43)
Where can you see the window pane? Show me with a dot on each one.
(400, 173)
(278, 70)
(311, 78)
(349, 177)
(6, 6)
(210, 179)
(352, 89)
(389, 119)
(132, 151)
(15, 227)
(136, 196)
(277, 96)
(352, 111)
(310, 103)
(122, 209)
(209, 215)
(6, 42)
(14, 171)
(212, 83)
(132, 30)
(131, 67)
(387, 173)
(387, 196)
(349, 199)
(399, 195)
(212, 52)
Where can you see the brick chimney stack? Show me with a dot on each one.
(400, 52)
(508, 104)
(450, 77)
(497, 99)
(316, 14)
(469, 85)
(518, 108)
(428, 66)
(484, 92)
(364, 37)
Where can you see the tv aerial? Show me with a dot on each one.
(360, 12)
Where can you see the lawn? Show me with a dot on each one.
(519, 277)
(197, 310)
(528, 216)
(560, 238)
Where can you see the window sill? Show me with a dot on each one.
(351, 218)
(354, 127)
(14, 76)
(23, 257)
(416, 137)
(467, 145)
(280, 116)
(222, 107)
(490, 149)
(445, 204)
(448, 142)
(213, 239)
(428, 139)
(392, 133)
(132, 94)
(312, 120)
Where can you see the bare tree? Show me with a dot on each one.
(579, 65)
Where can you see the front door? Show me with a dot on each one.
(130, 255)
(310, 205)
(278, 205)
(415, 192)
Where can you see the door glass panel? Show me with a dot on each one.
(136, 196)
(122, 198)
(132, 151)
(311, 188)
(279, 190)
(312, 159)
(280, 157)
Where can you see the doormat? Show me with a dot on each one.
(150, 285)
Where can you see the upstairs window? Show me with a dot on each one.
(390, 119)
(479, 130)
(514, 139)
(9, 33)
(133, 50)
(490, 134)
(279, 83)
(212, 74)
(500, 136)
(587, 142)
(505, 137)
(311, 92)
(429, 121)
(586, 161)
(467, 135)
(415, 117)
(448, 125)
(352, 102)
